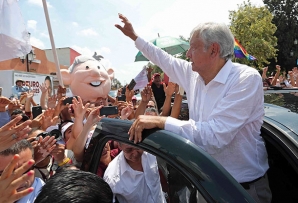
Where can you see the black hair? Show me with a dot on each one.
(17, 148)
(75, 186)
(16, 112)
(48, 78)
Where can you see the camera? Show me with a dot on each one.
(56, 133)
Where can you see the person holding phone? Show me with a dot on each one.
(226, 103)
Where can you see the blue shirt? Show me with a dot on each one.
(16, 90)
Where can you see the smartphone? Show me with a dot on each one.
(68, 100)
(121, 98)
(36, 111)
(132, 84)
(108, 110)
(1, 91)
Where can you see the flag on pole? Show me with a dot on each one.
(240, 52)
(14, 38)
(141, 79)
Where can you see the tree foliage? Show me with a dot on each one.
(115, 84)
(285, 14)
(252, 26)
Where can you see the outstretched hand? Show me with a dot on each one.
(13, 177)
(127, 29)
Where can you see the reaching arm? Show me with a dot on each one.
(80, 142)
(276, 75)
(169, 90)
(176, 106)
(146, 94)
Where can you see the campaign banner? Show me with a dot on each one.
(34, 81)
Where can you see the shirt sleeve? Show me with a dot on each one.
(173, 67)
(243, 104)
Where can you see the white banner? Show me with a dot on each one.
(14, 38)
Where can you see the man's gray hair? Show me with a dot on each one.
(216, 32)
(151, 110)
(17, 148)
(82, 59)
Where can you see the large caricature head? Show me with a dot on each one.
(88, 78)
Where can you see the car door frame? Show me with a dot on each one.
(213, 182)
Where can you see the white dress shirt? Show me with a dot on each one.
(225, 116)
(130, 186)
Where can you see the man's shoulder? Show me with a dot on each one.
(246, 70)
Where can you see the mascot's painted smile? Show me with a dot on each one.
(95, 84)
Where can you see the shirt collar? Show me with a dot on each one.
(224, 72)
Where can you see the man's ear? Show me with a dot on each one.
(110, 72)
(215, 50)
(65, 76)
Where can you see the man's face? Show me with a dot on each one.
(68, 133)
(150, 104)
(20, 83)
(131, 154)
(198, 55)
(156, 80)
(25, 156)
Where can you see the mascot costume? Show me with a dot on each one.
(88, 78)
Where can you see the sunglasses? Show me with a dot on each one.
(149, 106)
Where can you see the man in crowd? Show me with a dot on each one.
(225, 104)
(158, 90)
(19, 89)
(25, 151)
(131, 170)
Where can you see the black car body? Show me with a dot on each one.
(184, 164)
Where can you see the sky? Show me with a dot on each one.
(88, 26)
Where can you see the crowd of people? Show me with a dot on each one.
(280, 80)
(40, 158)
(56, 139)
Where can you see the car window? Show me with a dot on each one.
(117, 157)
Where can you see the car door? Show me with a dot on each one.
(187, 173)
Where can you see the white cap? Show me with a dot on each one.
(65, 127)
(53, 127)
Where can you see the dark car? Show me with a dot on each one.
(188, 174)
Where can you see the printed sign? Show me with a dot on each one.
(34, 82)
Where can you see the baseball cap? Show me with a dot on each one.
(19, 80)
(156, 74)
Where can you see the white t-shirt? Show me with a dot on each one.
(130, 186)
